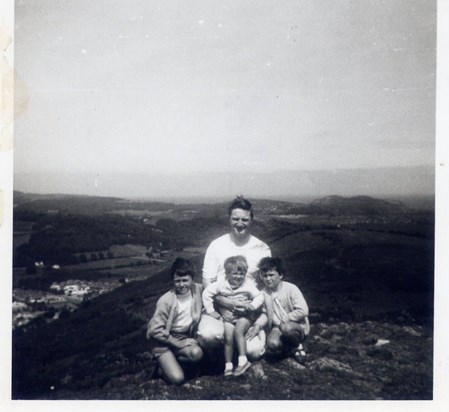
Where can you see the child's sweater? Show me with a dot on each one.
(291, 300)
(166, 310)
(246, 293)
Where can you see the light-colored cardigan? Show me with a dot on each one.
(159, 326)
(293, 302)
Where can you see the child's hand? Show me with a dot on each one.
(285, 318)
(189, 342)
(244, 308)
(215, 315)
(250, 308)
(253, 331)
(240, 308)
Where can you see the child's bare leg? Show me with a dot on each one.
(241, 327)
(190, 354)
(293, 333)
(228, 341)
(274, 343)
(171, 368)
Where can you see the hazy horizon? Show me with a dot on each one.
(377, 182)
(419, 200)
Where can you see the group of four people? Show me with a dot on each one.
(243, 304)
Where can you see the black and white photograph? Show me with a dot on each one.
(223, 200)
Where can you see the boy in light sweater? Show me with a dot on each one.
(285, 312)
(247, 300)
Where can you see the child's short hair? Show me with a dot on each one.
(268, 263)
(241, 203)
(235, 262)
(183, 267)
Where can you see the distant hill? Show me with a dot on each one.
(357, 205)
(80, 204)
(376, 182)
(94, 205)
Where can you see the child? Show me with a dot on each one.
(172, 328)
(247, 299)
(286, 312)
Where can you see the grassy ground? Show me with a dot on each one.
(362, 361)
(371, 300)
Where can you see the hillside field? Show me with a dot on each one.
(368, 279)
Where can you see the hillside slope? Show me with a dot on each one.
(370, 296)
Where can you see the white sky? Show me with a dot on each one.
(215, 86)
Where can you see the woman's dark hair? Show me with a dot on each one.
(268, 263)
(183, 267)
(241, 203)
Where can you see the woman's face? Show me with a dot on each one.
(240, 223)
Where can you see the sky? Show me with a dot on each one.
(203, 87)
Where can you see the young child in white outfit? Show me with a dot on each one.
(247, 298)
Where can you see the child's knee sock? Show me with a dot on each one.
(228, 366)
(242, 360)
(301, 350)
